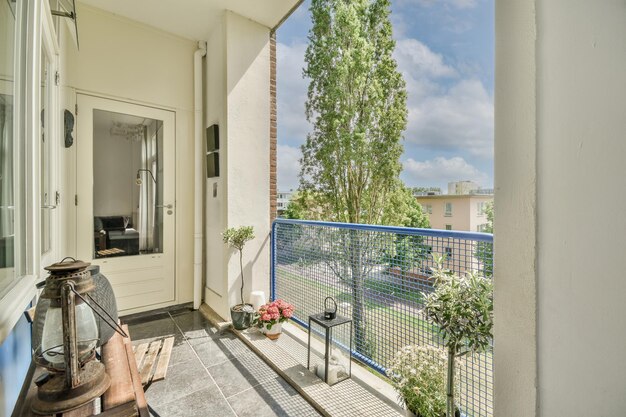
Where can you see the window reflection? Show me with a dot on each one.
(8, 186)
(128, 185)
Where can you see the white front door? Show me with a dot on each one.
(126, 198)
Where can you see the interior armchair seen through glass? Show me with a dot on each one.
(128, 184)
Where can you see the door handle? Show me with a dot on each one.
(167, 206)
(49, 206)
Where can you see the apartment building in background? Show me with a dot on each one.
(463, 208)
(282, 200)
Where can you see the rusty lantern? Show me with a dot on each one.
(68, 342)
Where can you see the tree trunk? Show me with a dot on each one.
(358, 295)
(450, 385)
(242, 281)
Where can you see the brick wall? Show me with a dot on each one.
(273, 190)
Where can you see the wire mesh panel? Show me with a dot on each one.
(380, 276)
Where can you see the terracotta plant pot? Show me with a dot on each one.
(242, 316)
(274, 332)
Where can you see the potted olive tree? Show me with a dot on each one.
(462, 307)
(241, 314)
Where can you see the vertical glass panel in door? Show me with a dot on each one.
(48, 200)
(128, 184)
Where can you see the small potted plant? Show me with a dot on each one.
(462, 307)
(241, 314)
(418, 374)
(272, 315)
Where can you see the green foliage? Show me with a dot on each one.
(418, 374)
(357, 106)
(404, 210)
(237, 237)
(407, 251)
(462, 307)
(294, 210)
(484, 250)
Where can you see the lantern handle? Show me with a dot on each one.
(331, 299)
(116, 327)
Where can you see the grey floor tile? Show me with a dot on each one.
(191, 321)
(210, 351)
(207, 402)
(182, 378)
(271, 398)
(240, 373)
(160, 328)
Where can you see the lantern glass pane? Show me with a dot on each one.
(52, 338)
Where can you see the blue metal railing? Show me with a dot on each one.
(379, 275)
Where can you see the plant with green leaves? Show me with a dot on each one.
(418, 374)
(237, 237)
(462, 307)
(357, 106)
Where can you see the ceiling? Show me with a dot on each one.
(194, 19)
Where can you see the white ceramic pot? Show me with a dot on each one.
(274, 332)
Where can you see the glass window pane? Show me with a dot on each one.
(128, 184)
(12, 259)
(47, 197)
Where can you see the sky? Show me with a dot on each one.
(445, 51)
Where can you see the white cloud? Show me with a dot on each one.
(292, 92)
(441, 170)
(419, 61)
(460, 117)
(446, 112)
(288, 166)
(459, 4)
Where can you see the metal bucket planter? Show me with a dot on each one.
(242, 316)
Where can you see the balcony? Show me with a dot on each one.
(224, 372)
(211, 373)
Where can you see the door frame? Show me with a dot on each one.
(172, 112)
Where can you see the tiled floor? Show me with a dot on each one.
(212, 374)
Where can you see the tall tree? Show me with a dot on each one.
(357, 107)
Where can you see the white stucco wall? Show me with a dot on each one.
(126, 60)
(244, 151)
(581, 100)
(215, 206)
(515, 219)
(559, 308)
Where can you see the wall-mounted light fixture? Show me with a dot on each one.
(138, 179)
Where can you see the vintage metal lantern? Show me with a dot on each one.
(330, 345)
(68, 341)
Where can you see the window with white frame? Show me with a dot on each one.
(24, 27)
(12, 150)
(428, 208)
(480, 208)
(447, 209)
